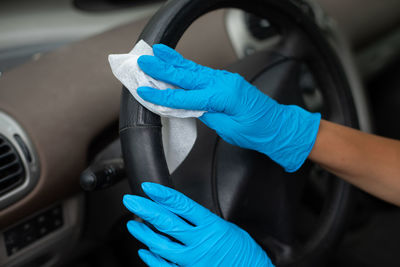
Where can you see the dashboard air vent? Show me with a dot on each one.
(12, 171)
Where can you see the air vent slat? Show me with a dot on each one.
(8, 165)
(4, 148)
(13, 175)
(2, 156)
(12, 172)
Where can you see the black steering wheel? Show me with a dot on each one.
(301, 49)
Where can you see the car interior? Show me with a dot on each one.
(74, 141)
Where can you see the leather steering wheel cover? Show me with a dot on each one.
(140, 129)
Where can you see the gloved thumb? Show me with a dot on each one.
(178, 203)
(174, 98)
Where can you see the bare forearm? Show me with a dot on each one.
(370, 162)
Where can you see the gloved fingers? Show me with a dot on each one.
(160, 217)
(179, 204)
(181, 77)
(171, 56)
(157, 243)
(153, 260)
(175, 98)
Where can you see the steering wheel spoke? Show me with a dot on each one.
(293, 45)
(240, 177)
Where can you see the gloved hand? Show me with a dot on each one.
(209, 241)
(239, 113)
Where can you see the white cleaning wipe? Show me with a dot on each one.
(179, 126)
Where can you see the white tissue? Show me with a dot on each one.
(179, 126)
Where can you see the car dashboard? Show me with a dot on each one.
(59, 103)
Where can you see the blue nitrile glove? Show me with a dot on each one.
(209, 241)
(239, 113)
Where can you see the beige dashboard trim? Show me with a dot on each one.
(65, 98)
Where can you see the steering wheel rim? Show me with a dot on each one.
(140, 129)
